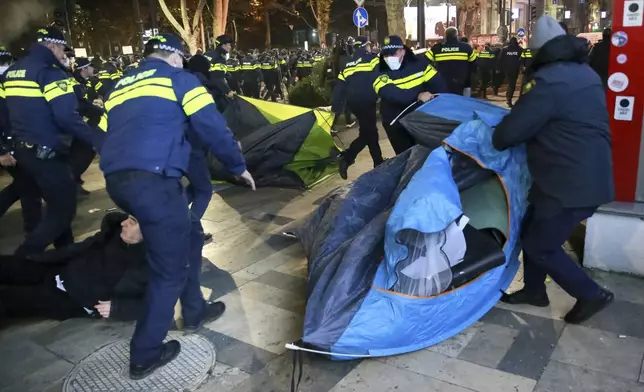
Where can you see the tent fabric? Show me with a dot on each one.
(284, 145)
(354, 248)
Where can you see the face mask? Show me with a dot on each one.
(176, 61)
(393, 62)
(227, 56)
(3, 68)
(65, 62)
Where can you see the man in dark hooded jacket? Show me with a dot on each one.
(562, 119)
(599, 56)
(509, 63)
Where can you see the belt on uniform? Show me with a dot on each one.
(42, 152)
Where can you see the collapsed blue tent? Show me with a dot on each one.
(362, 300)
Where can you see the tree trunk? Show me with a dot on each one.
(267, 21)
(322, 13)
(224, 15)
(396, 17)
(220, 10)
(202, 29)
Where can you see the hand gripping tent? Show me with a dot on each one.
(421, 247)
(284, 145)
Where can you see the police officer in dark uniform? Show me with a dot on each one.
(406, 78)
(285, 72)
(252, 77)
(144, 156)
(233, 74)
(526, 62)
(82, 154)
(43, 113)
(304, 66)
(218, 58)
(107, 78)
(509, 62)
(350, 88)
(455, 61)
(486, 64)
(270, 71)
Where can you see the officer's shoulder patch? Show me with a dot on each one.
(529, 86)
(383, 78)
(63, 85)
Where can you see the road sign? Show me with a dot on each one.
(521, 33)
(359, 3)
(360, 17)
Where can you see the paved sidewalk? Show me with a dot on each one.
(261, 276)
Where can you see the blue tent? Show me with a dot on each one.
(355, 250)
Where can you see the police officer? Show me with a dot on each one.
(406, 78)
(526, 62)
(218, 58)
(43, 114)
(285, 72)
(82, 154)
(486, 64)
(233, 74)
(304, 66)
(252, 77)
(270, 71)
(350, 88)
(509, 62)
(107, 78)
(454, 60)
(143, 158)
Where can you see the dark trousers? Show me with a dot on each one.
(28, 289)
(173, 244)
(251, 89)
(542, 239)
(512, 85)
(486, 79)
(497, 80)
(367, 134)
(30, 200)
(53, 180)
(398, 136)
(199, 191)
(80, 157)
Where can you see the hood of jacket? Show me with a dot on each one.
(565, 48)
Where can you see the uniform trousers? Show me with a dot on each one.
(199, 192)
(30, 200)
(542, 237)
(367, 134)
(174, 240)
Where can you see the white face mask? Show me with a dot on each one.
(176, 61)
(393, 62)
(65, 62)
(227, 56)
(3, 68)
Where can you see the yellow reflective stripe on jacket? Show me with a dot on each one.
(430, 55)
(139, 92)
(451, 56)
(304, 65)
(103, 123)
(166, 82)
(195, 100)
(366, 67)
(2, 93)
(21, 83)
(218, 67)
(486, 55)
(58, 88)
(473, 56)
(526, 55)
(22, 88)
(408, 82)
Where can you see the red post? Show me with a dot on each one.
(626, 98)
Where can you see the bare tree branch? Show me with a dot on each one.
(173, 21)
(198, 12)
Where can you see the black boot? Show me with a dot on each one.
(170, 351)
(343, 167)
(212, 312)
(585, 309)
(523, 297)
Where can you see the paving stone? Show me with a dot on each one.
(47, 378)
(296, 267)
(218, 281)
(318, 375)
(20, 358)
(601, 351)
(453, 346)
(275, 219)
(533, 346)
(237, 354)
(285, 282)
(561, 377)
(293, 252)
(560, 304)
(374, 376)
(224, 378)
(462, 373)
(257, 323)
(273, 296)
(626, 288)
(489, 345)
(75, 339)
(620, 318)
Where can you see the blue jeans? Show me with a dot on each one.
(173, 246)
(542, 238)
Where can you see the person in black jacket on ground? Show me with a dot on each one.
(79, 279)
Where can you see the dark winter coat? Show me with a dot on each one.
(563, 120)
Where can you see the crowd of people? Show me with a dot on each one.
(153, 120)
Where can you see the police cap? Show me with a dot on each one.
(82, 62)
(361, 41)
(391, 45)
(51, 34)
(4, 51)
(166, 42)
(224, 39)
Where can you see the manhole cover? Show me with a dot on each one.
(107, 369)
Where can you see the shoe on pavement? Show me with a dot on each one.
(585, 309)
(82, 191)
(213, 311)
(523, 297)
(170, 351)
(207, 237)
(353, 124)
(343, 167)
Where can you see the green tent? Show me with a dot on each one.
(284, 145)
